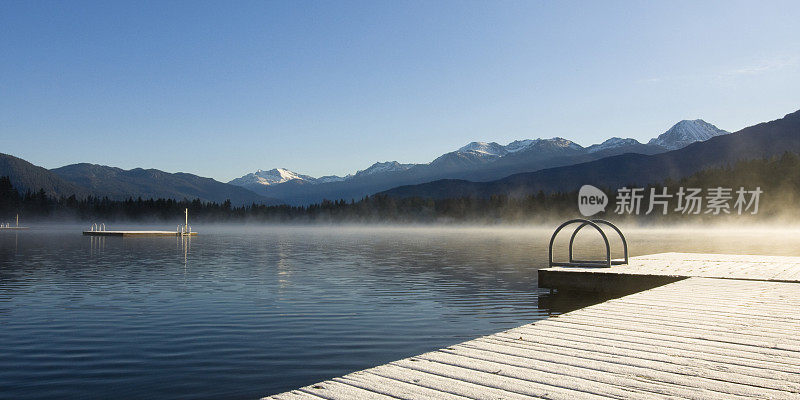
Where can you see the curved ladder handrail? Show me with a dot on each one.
(584, 222)
(604, 222)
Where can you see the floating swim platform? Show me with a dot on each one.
(138, 233)
(99, 229)
(16, 227)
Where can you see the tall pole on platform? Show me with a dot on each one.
(17, 220)
(186, 222)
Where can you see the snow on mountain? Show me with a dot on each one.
(475, 153)
(383, 167)
(497, 150)
(490, 149)
(556, 142)
(332, 178)
(270, 177)
(518, 145)
(281, 175)
(542, 145)
(478, 153)
(612, 143)
(685, 133)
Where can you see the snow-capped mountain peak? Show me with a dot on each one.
(541, 144)
(383, 167)
(685, 133)
(563, 143)
(491, 149)
(332, 178)
(518, 145)
(270, 177)
(494, 149)
(613, 143)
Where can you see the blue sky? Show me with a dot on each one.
(220, 89)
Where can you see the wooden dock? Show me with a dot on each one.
(653, 270)
(727, 327)
(138, 233)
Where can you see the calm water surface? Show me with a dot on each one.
(241, 314)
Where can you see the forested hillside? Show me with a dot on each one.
(778, 178)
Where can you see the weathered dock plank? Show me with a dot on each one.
(697, 338)
(441, 383)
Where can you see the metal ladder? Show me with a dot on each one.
(595, 223)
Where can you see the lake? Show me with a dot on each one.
(244, 312)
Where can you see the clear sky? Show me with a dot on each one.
(223, 88)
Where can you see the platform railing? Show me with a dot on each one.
(98, 227)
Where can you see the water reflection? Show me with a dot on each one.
(242, 313)
(185, 243)
(96, 245)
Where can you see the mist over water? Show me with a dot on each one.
(247, 311)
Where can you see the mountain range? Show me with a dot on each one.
(84, 180)
(476, 169)
(117, 183)
(763, 140)
(476, 161)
